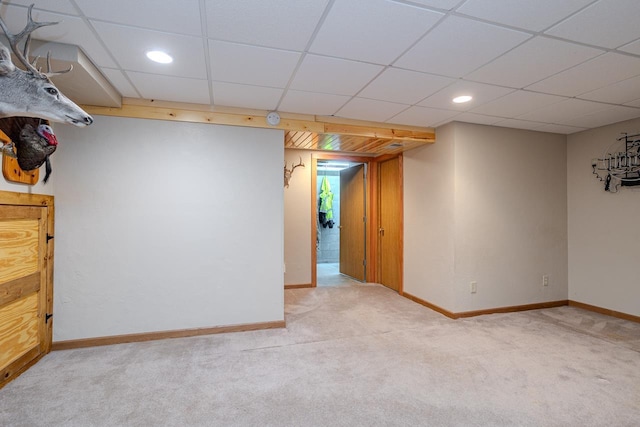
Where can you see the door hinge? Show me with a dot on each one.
(49, 237)
(364, 262)
(47, 317)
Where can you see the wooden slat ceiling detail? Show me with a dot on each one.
(301, 132)
(348, 143)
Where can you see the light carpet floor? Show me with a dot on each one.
(350, 356)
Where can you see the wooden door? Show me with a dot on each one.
(352, 222)
(390, 224)
(25, 328)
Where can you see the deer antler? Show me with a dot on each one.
(50, 73)
(14, 40)
(288, 172)
(299, 164)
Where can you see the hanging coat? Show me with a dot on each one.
(325, 210)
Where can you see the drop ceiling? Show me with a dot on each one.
(548, 65)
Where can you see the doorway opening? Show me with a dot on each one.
(340, 203)
(341, 229)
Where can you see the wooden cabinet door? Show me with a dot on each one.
(352, 222)
(24, 333)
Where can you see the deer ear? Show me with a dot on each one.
(6, 65)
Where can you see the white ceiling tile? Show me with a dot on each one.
(256, 46)
(360, 22)
(617, 93)
(562, 129)
(61, 6)
(482, 93)
(438, 4)
(245, 96)
(608, 23)
(174, 16)
(531, 15)
(331, 75)
(588, 76)
(563, 111)
(129, 46)
(633, 47)
(281, 24)
(322, 104)
(405, 87)
(516, 103)
(458, 46)
(605, 117)
(69, 30)
(237, 63)
(535, 60)
(477, 118)
(170, 88)
(520, 124)
(370, 109)
(635, 103)
(120, 82)
(422, 116)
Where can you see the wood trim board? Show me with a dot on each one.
(606, 311)
(152, 336)
(512, 309)
(427, 304)
(525, 307)
(307, 132)
(302, 286)
(257, 118)
(463, 314)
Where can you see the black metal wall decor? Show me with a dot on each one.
(620, 164)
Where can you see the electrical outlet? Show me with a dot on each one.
(473, 287)
(545, 280)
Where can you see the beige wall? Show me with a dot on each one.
(31, 189)
(603, 227)
(297, 220)
(166, 226)
(483, 204)
(486, 204)
(511, 216)
(429, 192)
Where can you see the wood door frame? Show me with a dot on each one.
(370, 212)
(10, 198)
(380, 160)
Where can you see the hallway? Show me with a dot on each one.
(328, 274)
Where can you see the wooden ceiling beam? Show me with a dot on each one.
(427, 136)
(198, 116)
(256, 118)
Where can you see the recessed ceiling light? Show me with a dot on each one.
(159, 56)
(462, 99)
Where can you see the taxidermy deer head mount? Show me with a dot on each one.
(289, 172)
(29, 92)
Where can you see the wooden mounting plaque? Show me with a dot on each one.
(12, 171)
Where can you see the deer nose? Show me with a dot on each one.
(88, 120)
